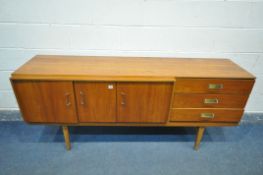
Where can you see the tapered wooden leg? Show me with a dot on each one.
(66, 137)
(199, 136)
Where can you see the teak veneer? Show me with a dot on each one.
(131, 91)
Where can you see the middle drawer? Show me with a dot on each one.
(209, 100)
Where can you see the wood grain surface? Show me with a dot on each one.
(185, 85)
(49, 102)
(95, 101)
(143, 102)
(198, 100)
(194, 114)
(127, 68)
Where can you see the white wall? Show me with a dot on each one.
(170, 28)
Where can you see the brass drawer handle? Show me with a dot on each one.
(215, 86)
(207, 115)
(211, 101)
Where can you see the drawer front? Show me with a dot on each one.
(213, 86)
(209, 100)
(209, 115)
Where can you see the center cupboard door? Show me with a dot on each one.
(143, 102)
(96, 101)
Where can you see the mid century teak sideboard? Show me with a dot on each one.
(131, 91)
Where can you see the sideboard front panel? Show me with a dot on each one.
(206, 115)
(218, 86)
(96, 101)
(46, 101)
(143, 102)
(209, 100)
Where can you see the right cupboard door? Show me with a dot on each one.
(143, 102)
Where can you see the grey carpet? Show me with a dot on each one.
(30, 149)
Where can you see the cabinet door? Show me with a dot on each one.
(46, 101)
(96, 101)
(143, 102)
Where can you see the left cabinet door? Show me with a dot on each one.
(46, 101)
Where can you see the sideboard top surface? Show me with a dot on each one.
(98, 68)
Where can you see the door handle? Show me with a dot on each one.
(68, 103)
(82, 98)
(123, 99)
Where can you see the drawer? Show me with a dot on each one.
(209, 115)
(209, 100)
(213, 86)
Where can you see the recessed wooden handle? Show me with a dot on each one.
(207, 115)
(215, 86)
(211, 101)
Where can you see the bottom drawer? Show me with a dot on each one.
(206, 114)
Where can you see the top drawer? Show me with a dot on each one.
(213, 86)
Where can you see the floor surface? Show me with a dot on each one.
(30, 149)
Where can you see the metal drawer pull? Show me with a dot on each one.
(215, 86)
(207, 115)
(67, 95)
(211, 101)
(82, 98)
